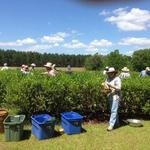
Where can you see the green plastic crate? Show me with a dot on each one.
(13, 127)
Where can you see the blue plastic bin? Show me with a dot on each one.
(43, 126)
(71, 122)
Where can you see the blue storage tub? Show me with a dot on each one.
(43, 126)
(71, 122)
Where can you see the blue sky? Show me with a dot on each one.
(70, 27)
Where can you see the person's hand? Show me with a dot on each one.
(105, 86)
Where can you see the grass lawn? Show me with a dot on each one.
(75, 69)
(95, 138)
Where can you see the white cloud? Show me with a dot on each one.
(98, 46)
(27, 41)
(104, 13)
(101, 43)
(75, 44)
(134, 20)
(135, 41)
(92, 47)
(55, 38)
(129, 53)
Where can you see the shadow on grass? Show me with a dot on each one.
(57, 134)
(83, 130)
(26, 134)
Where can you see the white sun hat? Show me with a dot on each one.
(147, 68)
(125, 69)
(53, 66)
(5, 64)
(33, 65)
(22, 66)
(111, 69)
(48, 64)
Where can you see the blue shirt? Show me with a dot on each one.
(144, 73)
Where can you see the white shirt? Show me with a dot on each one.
(116, 82)
(4, 68)
(124, 75)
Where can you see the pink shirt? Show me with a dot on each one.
(51, 73)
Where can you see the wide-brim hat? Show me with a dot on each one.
(53, 66)
(111, 70)
(33, 65)
(26, 66)
(106, 68)
(125, 69)
(5, 64)
(48, 65)
(147, 68)
(22, 66)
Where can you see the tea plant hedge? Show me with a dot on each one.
(82, 92)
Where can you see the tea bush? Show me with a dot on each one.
(82, 92)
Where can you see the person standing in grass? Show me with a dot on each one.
(145, 72)
(113, 85)
(33, 65)
(50, 69)
(5, 67)
(125, 73)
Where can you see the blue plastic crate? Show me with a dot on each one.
(43, 126)
(71, 122)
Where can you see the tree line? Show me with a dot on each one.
(17, 58)
(138, 61)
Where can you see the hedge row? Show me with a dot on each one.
(30, 94)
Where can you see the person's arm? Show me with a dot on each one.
(117, 85)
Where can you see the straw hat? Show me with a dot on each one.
(147, 68)
(26, 66)
(106, 68)
(125, 69)
(53, 66)
(111, 69)
(22, 66)
(48, 65)
(33, 65)
(5, 64)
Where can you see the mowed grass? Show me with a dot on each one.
(74, 69)
(95, 138)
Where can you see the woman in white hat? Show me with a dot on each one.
(50, 69)
(25, 69)
(33, 65)
(125, 73)
(5, 67)
(113, 85)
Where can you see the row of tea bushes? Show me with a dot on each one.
(80, 92)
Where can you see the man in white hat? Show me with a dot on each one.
(5, 67)
(145, 72)
(25, 69)
(125, 73)
(50, 69)
(33, 65)
(113, 85)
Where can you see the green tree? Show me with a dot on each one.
(117, 60)
(141, 59)
(94, 62)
